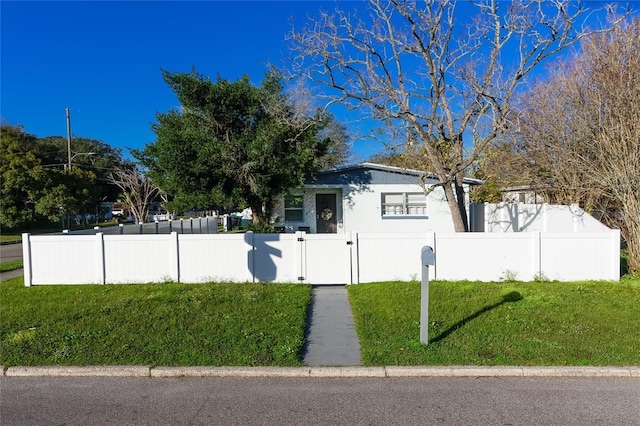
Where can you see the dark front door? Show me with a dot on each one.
(326, 215)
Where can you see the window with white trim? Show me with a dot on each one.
(293, 208)
(404, 204)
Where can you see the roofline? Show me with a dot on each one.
(393, 169)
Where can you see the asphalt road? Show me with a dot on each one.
(320, 401)
(9, 252)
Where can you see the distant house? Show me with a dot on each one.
(525, 194)
(367, 198)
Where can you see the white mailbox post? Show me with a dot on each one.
(428, 258)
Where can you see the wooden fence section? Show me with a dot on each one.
(318, 258)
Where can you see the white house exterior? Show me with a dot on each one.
(367, 198)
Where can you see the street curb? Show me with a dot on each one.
(326, 372)
(229, 372)
(348, 372)
(511, 371)
(79, 371)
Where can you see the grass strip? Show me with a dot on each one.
(11, 265)
(153, 324)
(6, 239)
(473, 323)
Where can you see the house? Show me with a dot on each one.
(525, 194)
(366, 197)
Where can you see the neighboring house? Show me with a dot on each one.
(525, 194)
(367, 198)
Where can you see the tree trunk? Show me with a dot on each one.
(631, 217)
(261, 218)
(460, 198)
(458, 210)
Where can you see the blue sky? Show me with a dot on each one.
(103, 59)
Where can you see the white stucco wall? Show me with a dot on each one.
(360, 210)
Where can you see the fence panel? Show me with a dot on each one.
(486, 256)
(388, 257)
(276, 258)
(572, 257)
(140, 258)
(216, 258)
(63, 259)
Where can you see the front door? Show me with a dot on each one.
(326, 215)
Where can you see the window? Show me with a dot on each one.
(293, 211)
(404, 204)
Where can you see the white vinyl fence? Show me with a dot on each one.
(518, 217)
(318, 258)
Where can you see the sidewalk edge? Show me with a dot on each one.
(329, 371)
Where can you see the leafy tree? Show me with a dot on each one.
(65, 194)
(21, 170)
(232, 143)
(38, 186)
(87, 154)
(442, 74)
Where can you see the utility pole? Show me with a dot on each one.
(69, 138)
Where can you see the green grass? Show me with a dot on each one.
(11, 265)
(153, 324)
(582, 323)
(10, 238)
(471, 323)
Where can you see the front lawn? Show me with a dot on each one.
(473, 323)
(153, 324)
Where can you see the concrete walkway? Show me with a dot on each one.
(331, 333)
(11, 274)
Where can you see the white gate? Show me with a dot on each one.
(325, 258)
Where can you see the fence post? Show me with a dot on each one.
(301, 252)
(191, 222)
(427, 258)
(175, 256)
(249, 238)
(170, 225)
(355, 261)
(200, 224)
(349, 253)
(26, 257)
(157, 224)
(182, 225)
(121, 227)
(141, 227)
(101, 276)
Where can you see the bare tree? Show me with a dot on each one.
(442, 74)
(547, 148)
(581, 131)
(138, 191)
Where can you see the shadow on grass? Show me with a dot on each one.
(624, 263)
(514, 296)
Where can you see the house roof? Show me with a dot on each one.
(361, 168)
